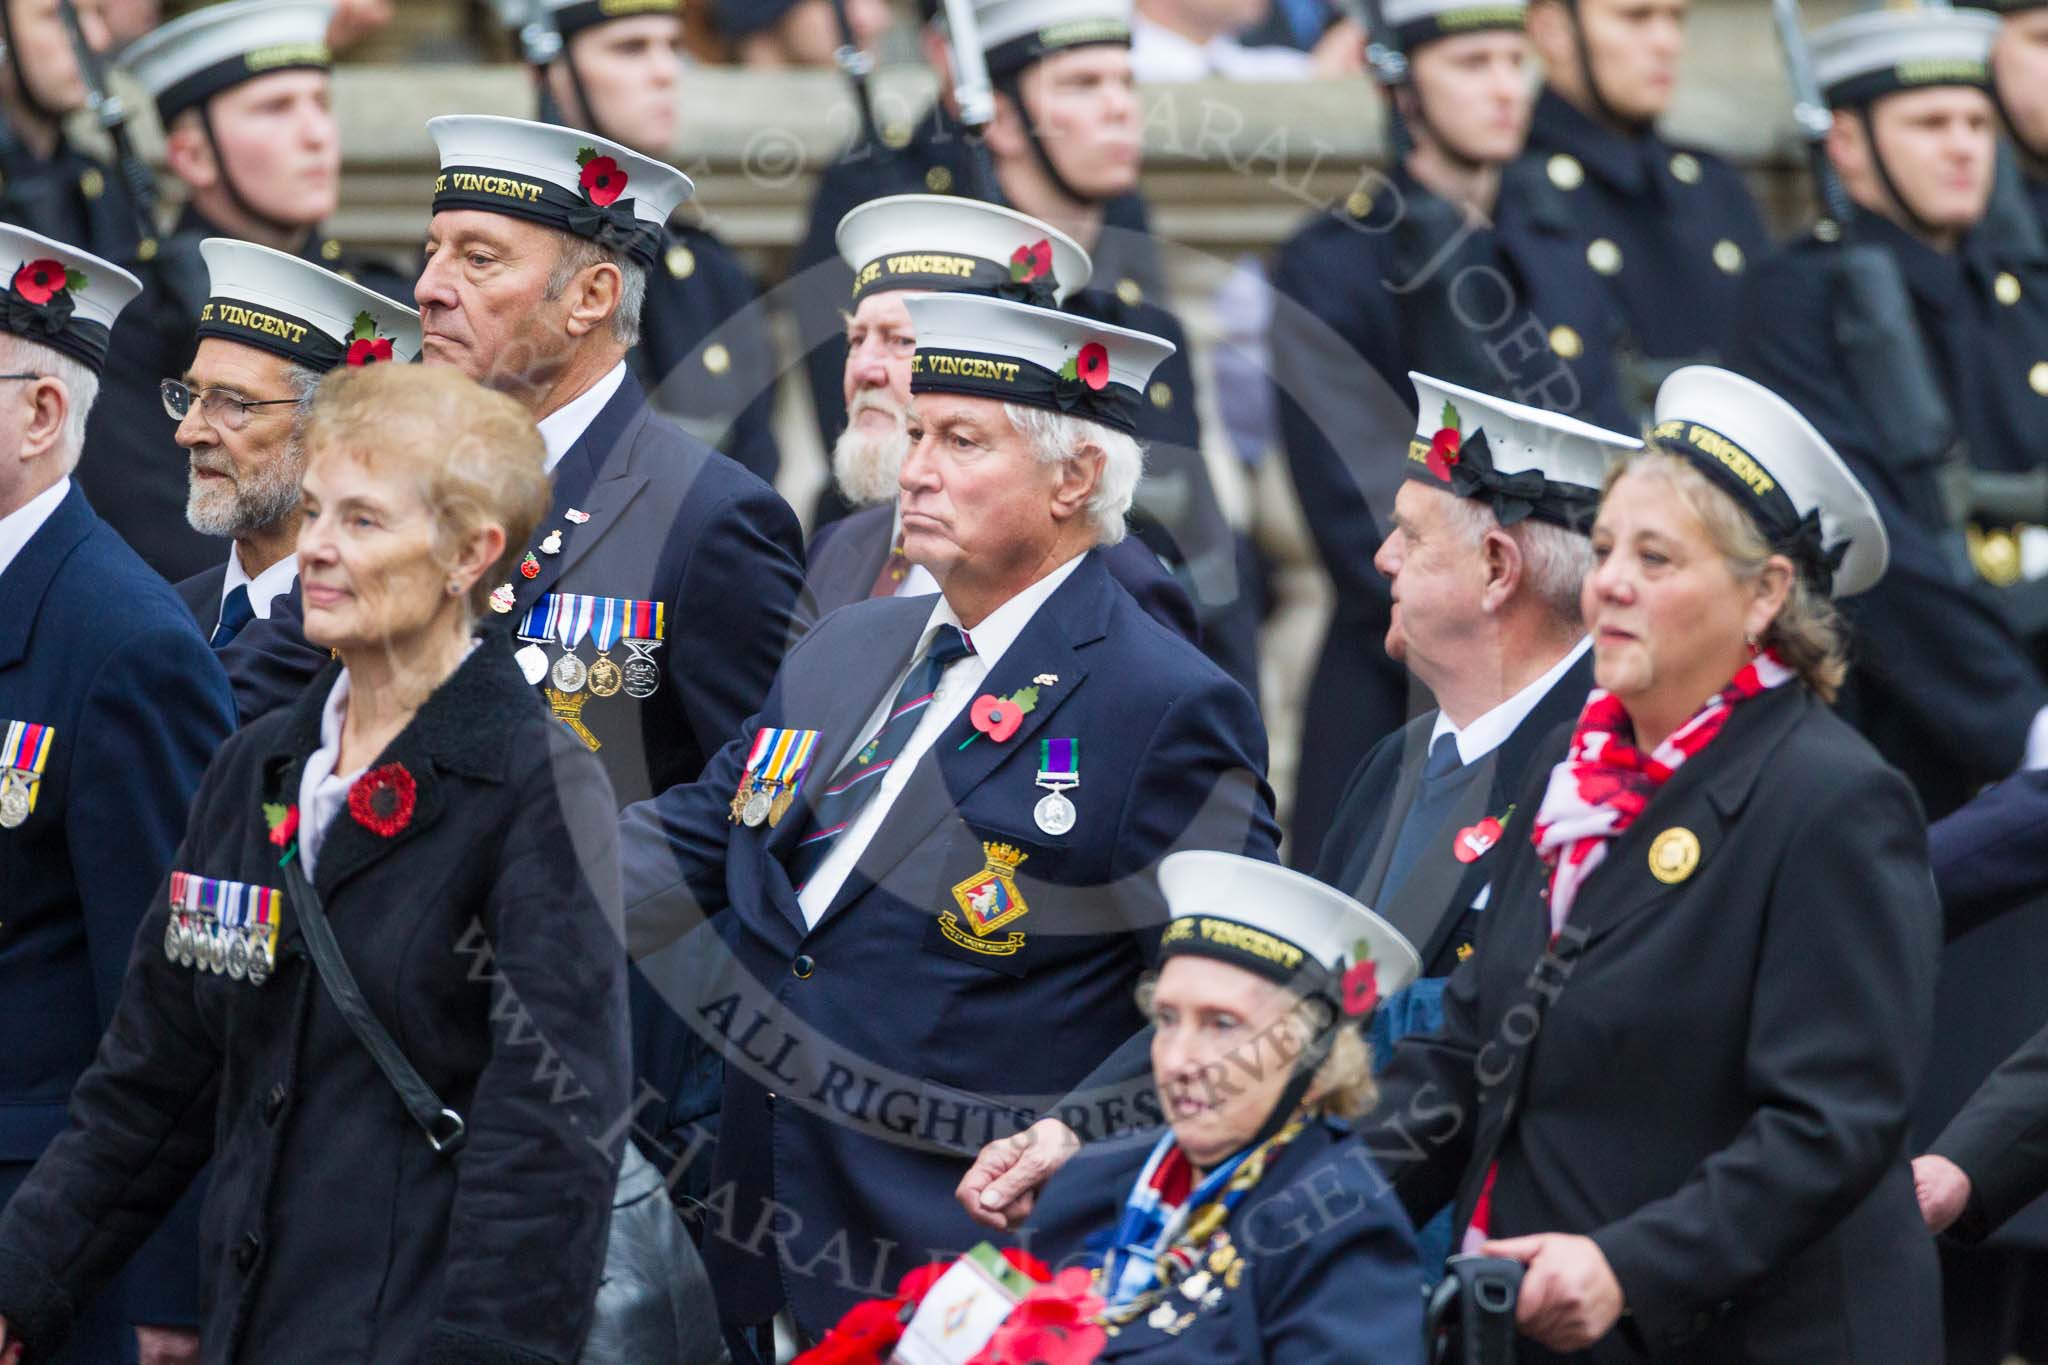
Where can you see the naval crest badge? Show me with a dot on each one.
(988, 900)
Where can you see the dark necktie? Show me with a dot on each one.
(235, 612)
(892, 573)
(860, 777)
(1433, 801)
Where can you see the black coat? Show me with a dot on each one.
(1717, 1091)
(484, 935)
(71, 197)
(2000, 1140)
(133, 470)
(270, 661)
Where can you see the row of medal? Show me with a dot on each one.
(775, 770)
(227, 928)
(566, 618)
(24, 750)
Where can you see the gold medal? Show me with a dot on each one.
(605, 678)
(783, 800)
(1673, 855)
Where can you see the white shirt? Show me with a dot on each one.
(1159, 55)
(562, 428)
(960, 684)
(918, 582)
(1491, 730)
(323, 792)
(265, 588)
(19, 527)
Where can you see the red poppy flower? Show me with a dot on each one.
(1361, 988)
(1092, 366)
(367, 352)
(39, 281)
(1443, 451)
(865, 1336)
(286, 827)
(1028, 263)
(382, 799)
(602, 180)
(1475, 840)
(1023, 1260)
(996, 717)
(1050, 1327)
(918, 1283)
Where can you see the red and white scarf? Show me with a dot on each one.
(1604, 783)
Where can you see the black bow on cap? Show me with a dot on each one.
(1513, 496)
(612, 225)
(40, 321)
(1038, 293)
(1803, 547)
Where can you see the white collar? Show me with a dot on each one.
(1001, 627)
(19, 527)
(564, 426)
(1491, 730)
(266, 587)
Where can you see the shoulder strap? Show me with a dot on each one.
(443, 1126)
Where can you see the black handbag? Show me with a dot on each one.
(654, 1300)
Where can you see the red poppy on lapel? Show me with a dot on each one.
(382, 799)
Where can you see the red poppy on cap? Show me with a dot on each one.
(1361, 988)
(1092, 366)
(39, 281)
(1028, 263)
(367, 351)
(602, 180)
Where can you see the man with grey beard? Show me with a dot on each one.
(922, 243)
(272, 327)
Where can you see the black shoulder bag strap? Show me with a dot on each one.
(443, 1126)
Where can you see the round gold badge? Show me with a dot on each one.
(1565, 171)
(2037, 378)
(938, 180)
(1673, 855)
(681, 262)
(1358, 204)
(1827, 230)
(1685, 168)
(716, 358)
(1728, 256)
(330, 250)
(1565, 341)
(145, 250)
(1604, 256)
(896, 135)
(1161, 394)
(1127, 289)
(92, 184)
(2006, 288)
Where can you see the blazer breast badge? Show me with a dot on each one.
(988, 900)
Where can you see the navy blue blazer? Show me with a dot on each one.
(1992, 855)
(861, 1053)
(669, 520)
(270, 661)
(846, 555)
(1328, 1262)
(95, 645)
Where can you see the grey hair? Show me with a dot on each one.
(1555, 561)
(81, 387)
(579, 254)
(1057, 437)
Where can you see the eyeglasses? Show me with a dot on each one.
(24, 376)
(227, 411)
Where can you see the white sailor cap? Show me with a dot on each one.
(1282, 925)
(942, 243)
(1415, 22)
(190, 60)
(62, 297)
(1524, 461)
(1018, 353)
(301, 311)
(1016, 33)
(578, 183)
(1878, 52)
(1757, 448)
(570, 17)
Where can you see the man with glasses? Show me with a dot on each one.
(272, 327)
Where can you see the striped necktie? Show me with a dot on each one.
(236, 611)
(892, 573)
(859, 777)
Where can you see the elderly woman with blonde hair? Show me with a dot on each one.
(417, 836)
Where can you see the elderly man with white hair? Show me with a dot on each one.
(934, 844)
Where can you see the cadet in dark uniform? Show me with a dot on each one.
(1945, 687)
(1670, 228)
(110, 708)
(242, 92)
(705, 353)
(1072, 162)
(928, 852)
(272, 326)
(46, 184)
(1401, 278)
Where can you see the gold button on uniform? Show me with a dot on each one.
(896, 135)
(938, 180)
(1566, 342)
(1604, 256)
(1673, 855)
(2006, 288)
(330, 250)
(716, 358)
(92, 184)
(1728, 256)
(1827, 230)
(1127, 289)
(1358, 204)
(2037, 378)
(1161, 394)
(682, 262)
(145, 250)
(1685, 168)
(1565, 171)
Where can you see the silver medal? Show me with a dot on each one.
(171, 940)
(643, 678)
(238, 958)
(757, 809)
(533, 662)
(13, 802)
(1054, 813)
(570, 673)
(259, 963)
